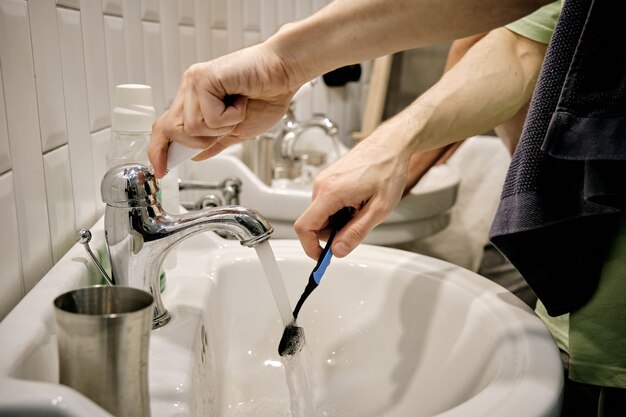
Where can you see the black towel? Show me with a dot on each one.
(566, 185)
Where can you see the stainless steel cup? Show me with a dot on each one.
(103, 335)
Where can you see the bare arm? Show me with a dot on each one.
(488, 86)
(240, 95)
(350, 31)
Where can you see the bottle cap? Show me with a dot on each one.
(133, 108)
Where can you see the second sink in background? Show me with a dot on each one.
(421, 213)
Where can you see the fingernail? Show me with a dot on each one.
(341, 249)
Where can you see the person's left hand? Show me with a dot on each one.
(371, 178)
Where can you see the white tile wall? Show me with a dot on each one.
(133, 41)
(60, 200)
(115, 52)
(76, 104)
(95, 64)
(150, 10)
(203, 31)
(11, 271)
(99, 146)
(5, 152)
(49, 81)
(18, 76)
(186, 46)
(153, 60)
(169, 45)
(59, 63)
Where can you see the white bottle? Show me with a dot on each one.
(131, 125)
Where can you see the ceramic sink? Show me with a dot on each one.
(388, 334)
(421, 213)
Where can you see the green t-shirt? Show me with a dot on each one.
(539, 25)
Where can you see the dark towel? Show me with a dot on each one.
(566, 184)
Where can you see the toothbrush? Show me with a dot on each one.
(292, 340)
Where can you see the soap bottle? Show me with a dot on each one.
(131, 127)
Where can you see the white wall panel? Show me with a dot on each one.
(219, 42)
(150, 10)
(187, 39)
(75, 86)
(219, 14)
(115, 53)
(60, 200)
(268, 19)
(203, 30)
(171, 56)
(48, 78)
(303, 8)
(252, 15)
(186, 12)
(20, 97)
(251, 38)
(95, 64)
(11, 272)
(5, 152)
(100, 142)
(133, 42)
(153, 56)
(112, 7)
(72, 4)
(286, 11)
(235, 25)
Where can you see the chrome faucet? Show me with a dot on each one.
(274, 151)
(139, 233)
(293, 130)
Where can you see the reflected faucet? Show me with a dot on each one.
(139, 233)
(272, 154)
(293, 130)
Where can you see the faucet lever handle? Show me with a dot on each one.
(83, 236)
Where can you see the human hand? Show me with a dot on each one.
(371, 178)
(222, 102)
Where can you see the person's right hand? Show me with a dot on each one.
(222, 102)
(371, 178)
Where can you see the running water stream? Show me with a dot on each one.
(300, 393)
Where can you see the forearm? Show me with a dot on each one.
(350, 31)
(473, 97)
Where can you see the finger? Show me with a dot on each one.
(192, 115)
(157, 150)
(357, 229)
(185, 107)
(312, 221)
(221, 111)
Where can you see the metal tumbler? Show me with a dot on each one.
(103, 335)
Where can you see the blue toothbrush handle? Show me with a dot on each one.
(337, 221)
(318, 273)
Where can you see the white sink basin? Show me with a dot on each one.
(421, 213)
(389, 334)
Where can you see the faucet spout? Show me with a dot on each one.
(140, 234)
